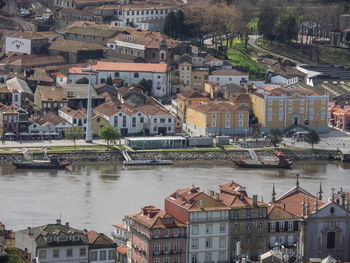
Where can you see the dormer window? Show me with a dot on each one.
(62, 239)
(76, 238)
(49, 239)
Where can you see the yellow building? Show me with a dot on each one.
(290, 106)
(7, 237)
(97, 122)
(199, 77)
(185, 72)
(186, 98)
(210, 118)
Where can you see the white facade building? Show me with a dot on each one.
(227, 76)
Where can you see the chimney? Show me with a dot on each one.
(67, 224)
(58, 221)
(29, 231)
(255, 200)
(201, 204)
(217, 196)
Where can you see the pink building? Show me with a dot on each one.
(156, 237)
(339, 117)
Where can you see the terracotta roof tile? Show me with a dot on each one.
(99, 238)
(123, 250)
(215, 106)
(52, 93)
(120, 226)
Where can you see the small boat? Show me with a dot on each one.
(148, 162)
(53, 162)
(278, 160)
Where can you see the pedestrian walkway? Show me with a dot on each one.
(43, 144)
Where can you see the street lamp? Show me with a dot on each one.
(88, 137)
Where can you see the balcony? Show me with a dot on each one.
(177, 251)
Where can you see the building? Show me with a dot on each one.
(76, 51)
(50, 98)
(77, 95)
(74, 117)
(91, 32)
(152, 47)
(227, 76)
(325, 231)
(120, 234)
(97, 122)
(156, 236)
(54, 243)
(24, 62)
(5, 96)
(101, 248)
(214, 90)
(26, 42)
(290, 106)
(186, 98)
(339, 117)
(13, 120)
(207, 220)
(22, 95)
(48, 125)
(156, 74)
(122, 254)
(248, 222)
(216, 117)
(7, 237)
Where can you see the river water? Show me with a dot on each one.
(97, 195)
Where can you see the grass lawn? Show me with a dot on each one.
(245, 58)
(328, 55)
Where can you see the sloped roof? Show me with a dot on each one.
(52, 93)
(190, 94)
(19, 85)
(74, 46)
(28, 35)
(53, 119)
(153, 217)
(277, 213)
(99, 238)
(215, 106)
(73, 113)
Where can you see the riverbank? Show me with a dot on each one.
(181, 155)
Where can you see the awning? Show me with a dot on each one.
(10, 134)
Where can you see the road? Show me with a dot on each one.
(252, 41)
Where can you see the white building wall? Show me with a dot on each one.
(73, 78)
(223, 80)
(278, 79)
(139, 127)
(98, 252)
(76, 257)
(16, 98)
(155, 123)
(19, 45)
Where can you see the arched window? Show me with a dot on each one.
(162, 56)
(116, 74)
(330, 240)
(136, 75)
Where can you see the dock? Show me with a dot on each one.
(129, 161)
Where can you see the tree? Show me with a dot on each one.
(109, 133)
(275, 136)
(170, 24)
(109, 81)
(145, 86)
(174, 25)
(73, 133)
(312, 138)
(82, 81)
(267, 21)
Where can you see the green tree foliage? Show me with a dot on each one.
(287, 28)
(109, 81)
(275, 136)
(145, 86)
(312, 138)
(267, 20)
(174, 25)
(120, 83)
(73, 133)
(82, 81)
(109, 133)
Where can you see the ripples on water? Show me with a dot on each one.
(97, 195)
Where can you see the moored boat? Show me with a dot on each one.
(278, 160)
(53, 162)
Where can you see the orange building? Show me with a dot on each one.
(186, 98)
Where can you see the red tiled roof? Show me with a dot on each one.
(275, 212)
(190, 93)
(189, 199)
(123, 250)
(99, 238)
(153, 217)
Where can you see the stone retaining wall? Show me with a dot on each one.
(183, 155)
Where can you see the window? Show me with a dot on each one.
(302, 102)
(290, 240)
(176, 260)
(208, 243)
(270, 102)
(323, 102)
(281, 102)
(208, 257)
(156, 260)
(155, 120)
(103, 80)
(222, 228)
(248, 240)
(176, 232)
(116, 74)
(240, 123)
(124, 121)
(290, 110)
(176, 247)
(156, 233)
(235, 214)
(209, 229)
(133, 121)
(56, 253)
(290, 225)
(194, 243)
(248, 226)
(330, 240)
(82, 252)
(213, 123)
(49, 239)
(42, 254)
(235, 227)
(166, 260)
(94, 256)
(222, 242)
(248, 213)
(260, 225)
(141, 120)
(213, 115)
(62, 239)
(272, 226)
(136, 75)
(194, 258)
(260, 239)
(167, 248)
(241, 115)
(69, 252)
(169, 120)
(311, 102)
(156, 248)
(301, 110)
(290, 102)
(166, 232)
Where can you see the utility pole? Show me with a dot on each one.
(88, 137)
